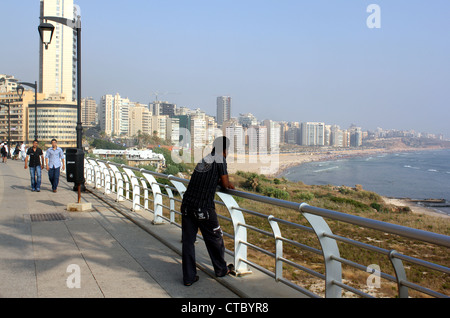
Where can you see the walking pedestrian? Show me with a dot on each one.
(4, 152)
(22, 151)
(54, 160)
(198, 211)
(35, 157)
(16, 152)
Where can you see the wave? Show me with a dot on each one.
(326, 169)
(432, 170)
(411, 167)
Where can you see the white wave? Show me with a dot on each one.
(326, 169)
(411, 167)
(432, 170)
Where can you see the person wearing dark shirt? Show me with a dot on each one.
(198, 211)
(35, 160)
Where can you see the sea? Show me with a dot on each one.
(416, 175)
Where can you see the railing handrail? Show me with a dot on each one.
(314, 215)
(422, 235)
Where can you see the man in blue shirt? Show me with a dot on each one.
(54, 160)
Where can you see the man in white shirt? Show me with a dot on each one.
(54, 159)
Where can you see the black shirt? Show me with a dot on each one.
(35, 156)
(204, 181)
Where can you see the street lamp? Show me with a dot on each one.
(46, 33)
(20, 90)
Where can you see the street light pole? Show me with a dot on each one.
(20, 92)
(46, 33)
(46, 37)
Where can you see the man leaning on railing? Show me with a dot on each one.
(198, 211)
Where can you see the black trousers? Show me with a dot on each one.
(212, 235)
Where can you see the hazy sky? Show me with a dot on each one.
(286, 60)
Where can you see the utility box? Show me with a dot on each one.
(75, 165)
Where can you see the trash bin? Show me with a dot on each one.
(75, 165)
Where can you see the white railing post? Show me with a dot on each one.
(96, 168)
(240, 234)
(106, 177)
(278, 248)
(87, 171)
(119, 181)
(136, 190)
(157, 199)
(400, 274)
(333, 268)
(171, 203)
(145, 189)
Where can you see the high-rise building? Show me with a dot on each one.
(140, 120)
(223, 109)
(16, 127)
(355, 136)
(88, 112)
(313, 134)
(163, 108)
(257, 140)
(57, 67)
(273, 138)
(235, 133)
(113, 113)
(198, 131)
(173, 130)
(159, 126)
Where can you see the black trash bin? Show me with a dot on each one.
(75, 165)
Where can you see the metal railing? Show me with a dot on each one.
(141, 188)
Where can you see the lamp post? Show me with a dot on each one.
(9, 126)
(20, 90)
(46, 33)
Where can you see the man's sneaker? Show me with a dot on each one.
(195, 280)
(230, 270)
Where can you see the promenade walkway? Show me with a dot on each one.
(116, 252)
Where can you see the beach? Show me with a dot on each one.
(273, 165)
(416, 209)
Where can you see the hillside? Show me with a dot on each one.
(355, 201)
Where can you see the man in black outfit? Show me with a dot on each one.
(199, 211)
(35, 159)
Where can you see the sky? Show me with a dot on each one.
(285, 60)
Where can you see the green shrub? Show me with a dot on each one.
(275, 193)
(304, 196)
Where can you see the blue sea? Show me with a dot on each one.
(416, 175)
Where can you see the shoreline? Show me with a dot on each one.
(415, 208)
(277, 164)
(290, 160)
(349, 154)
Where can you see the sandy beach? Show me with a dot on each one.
(414, 207)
